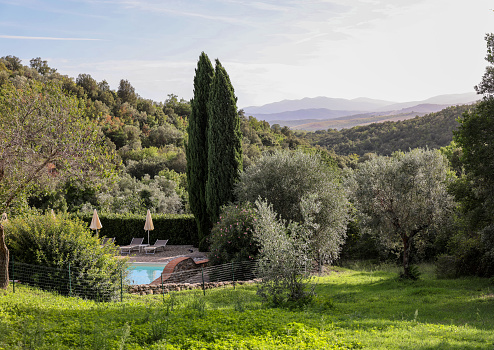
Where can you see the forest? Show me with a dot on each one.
(148, 138)
(434, 130)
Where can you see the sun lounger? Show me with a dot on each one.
(107, 240)
(160, 244)
(134, 245)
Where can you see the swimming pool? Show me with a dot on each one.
(144, 273)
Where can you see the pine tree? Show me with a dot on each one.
(224, 143)
(197, 148)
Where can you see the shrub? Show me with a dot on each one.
(285, 258)
(446, 266)
(62, 242)
(231, 238)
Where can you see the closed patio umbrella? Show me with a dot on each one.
(95, 223)
(148, 226)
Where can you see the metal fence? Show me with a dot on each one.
(97, 286)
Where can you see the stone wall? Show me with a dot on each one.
(144, 289)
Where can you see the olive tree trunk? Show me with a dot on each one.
(406, 259)
(4, 261)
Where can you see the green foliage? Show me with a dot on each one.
(474, 190)
(285, 258)
(354, 309)
(53, 141)
(433, 130)
(412, 273)
(62, 242)
(403, 198)
(446, 266)
(475, 137)
(165, 134)
(224, 143)
(294, 181)
(129, 195)
(486, 86)
(231, 238)
(197, 147)
(178, 229)
(126, 92)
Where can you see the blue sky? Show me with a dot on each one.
(398, 50)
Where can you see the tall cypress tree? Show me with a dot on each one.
(197, 148)
(224, 143)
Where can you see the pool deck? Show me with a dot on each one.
(162, 257)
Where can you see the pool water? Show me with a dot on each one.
(144, 273)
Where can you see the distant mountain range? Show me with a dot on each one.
(324, 112)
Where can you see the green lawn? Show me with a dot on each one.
(354, 309)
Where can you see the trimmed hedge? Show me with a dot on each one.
(179, 229)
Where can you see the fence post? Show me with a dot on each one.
(121, 286)
(13, 274)
(162, 289)
(70, 282)
(203, 288)
(233, 275)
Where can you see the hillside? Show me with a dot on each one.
(148, 138)
(350, 121)
(323, 113)
(433, 130)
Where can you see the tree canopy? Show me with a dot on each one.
(197, 147)
(402, 197)
(224, 143)
(298, 186)
(44, 139)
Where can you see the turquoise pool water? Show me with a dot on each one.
(144, 273)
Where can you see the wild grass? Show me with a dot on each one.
(363, 307)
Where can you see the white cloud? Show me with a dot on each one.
(272, 49)
(20, 37)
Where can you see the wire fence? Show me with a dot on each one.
(98, 286)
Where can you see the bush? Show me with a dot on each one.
(231, 238)
(62, 242)
(285, 262)
(446, 266)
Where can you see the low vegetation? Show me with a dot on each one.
(365, 307)
(63, 243)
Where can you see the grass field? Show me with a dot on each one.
(355, 308)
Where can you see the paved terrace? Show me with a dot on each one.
(171, 252)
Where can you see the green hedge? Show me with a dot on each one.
(178, 229)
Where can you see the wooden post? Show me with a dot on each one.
(4, 261)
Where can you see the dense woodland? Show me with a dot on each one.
(433, 130)
(149, 138)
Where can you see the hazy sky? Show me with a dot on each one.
(398, 50)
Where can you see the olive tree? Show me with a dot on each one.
(44, 139)
(402, 197)
(286, 180)
(285, 256)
